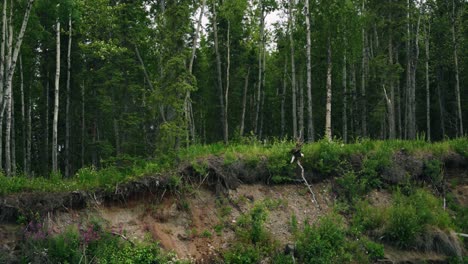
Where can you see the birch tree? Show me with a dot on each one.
(56, 100)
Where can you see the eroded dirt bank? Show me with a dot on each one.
(198, 220)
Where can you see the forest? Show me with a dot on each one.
(83, 81)
(161, 131)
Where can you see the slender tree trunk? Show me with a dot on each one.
(226, 92)
(2, 70)
(391, 100)
(29, 135)
(46, 125)
(328, 132)
(13, 137)
(363, 82)
(12, 57)
(352, 108)
(260, 65)
(428, 94)
(398, 102)
(345, 101)
(56, 102)
(293, 70)
(283, 96)
(301, 105)
(67, 111)
(23, 118)
(188, 100)
(9, 94)
(412, 96)
(244, 102)
(440, 100)
(83, 124)
(310, 120)
(460, 131)
(220, 80)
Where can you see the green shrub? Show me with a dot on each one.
(409, 216)
(367, 217)
(350, 188)
(242, 253)
(433, 171)
(323, 242)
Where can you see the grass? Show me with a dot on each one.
(325, 158)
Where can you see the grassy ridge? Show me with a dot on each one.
(324, 157)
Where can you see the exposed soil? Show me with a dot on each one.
(149, 209)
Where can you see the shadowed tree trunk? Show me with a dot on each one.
(293, 70)
(220, 80)
(67, 110)
(345, 102)
(244, 102)
(460, 131)
(428, 94)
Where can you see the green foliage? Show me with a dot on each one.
(407, 218)
(75, 245)
(434, 171)
(350, 187)
(323, 242)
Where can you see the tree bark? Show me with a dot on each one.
(226, 92)
(188, 100)
(260, 65)
(12, 57)
(460, 131)
(328, 132)
(244, 102)
(67, 110)
(345, 101)
(440, 100)
(9, 94)
(83, 124)
(56, 102)
(23, 117)
(283, 96)
(428, 93)
(352, 107)
(391, 99)
(29, 134)
(310, 120)
(363, 82)
(220, 80)
(293, 71)
(13, 136)
(301, 106)
(2, 70)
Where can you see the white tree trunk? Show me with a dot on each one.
(328, 132)
(56, 102)
(188, 100)
(12, 57)
(310, 120)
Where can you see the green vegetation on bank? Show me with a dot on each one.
(325, 158)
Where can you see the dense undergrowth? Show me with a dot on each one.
(323, 157)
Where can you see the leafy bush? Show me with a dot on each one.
(409, 216)
(433, 171)
(323, 242)
(350, 188)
